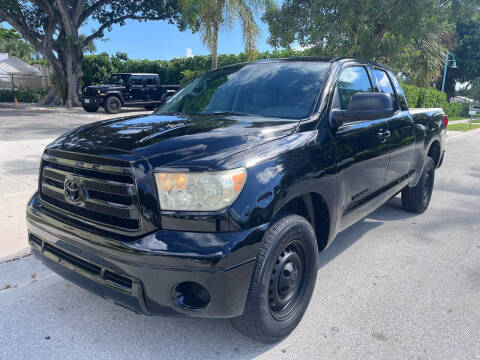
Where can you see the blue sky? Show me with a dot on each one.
(161, 40)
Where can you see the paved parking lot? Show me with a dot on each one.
(394, 286)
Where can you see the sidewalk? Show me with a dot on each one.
(19, 163)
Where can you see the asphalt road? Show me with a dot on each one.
(394, 286)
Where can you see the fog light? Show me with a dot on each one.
(190, 296)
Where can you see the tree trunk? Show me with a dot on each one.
(214, 45)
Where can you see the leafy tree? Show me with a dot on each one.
(464, 43)
(52, 28)
(210, 16)
(405, 34)
(12, 43)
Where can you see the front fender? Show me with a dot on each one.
(117, 94)
(281, 171)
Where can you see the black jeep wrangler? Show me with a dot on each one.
(127, 90)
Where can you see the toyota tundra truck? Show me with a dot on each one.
(219, 203)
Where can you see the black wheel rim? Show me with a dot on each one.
(427, 186)
(287, 281)
(113, 105)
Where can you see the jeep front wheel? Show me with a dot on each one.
(282, 282)
(112, 105)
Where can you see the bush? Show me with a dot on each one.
(412, 93)
(432, 98)
(22, 95)
(456, 109)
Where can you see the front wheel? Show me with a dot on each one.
(282, 282)
(416, 199)
(112, 105)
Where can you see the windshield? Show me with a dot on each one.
(118, 79)
(280, 89)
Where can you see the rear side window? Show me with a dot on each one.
(136, 80)
(385, 86)
(151, 81)
(401, 95)
(352, 80)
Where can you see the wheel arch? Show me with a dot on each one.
(117, 95)
(434, 151)
(313, 207)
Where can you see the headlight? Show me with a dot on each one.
(204, 191)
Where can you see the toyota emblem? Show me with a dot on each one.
(73, 191)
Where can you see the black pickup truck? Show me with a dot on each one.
(127, 90)
(218, 204)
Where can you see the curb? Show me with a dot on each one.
(16, 256)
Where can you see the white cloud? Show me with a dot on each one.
(188, 53)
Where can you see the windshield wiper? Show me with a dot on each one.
(171, 113)
(235, 113)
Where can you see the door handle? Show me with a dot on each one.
(383, 135)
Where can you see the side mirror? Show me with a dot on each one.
(364, 106)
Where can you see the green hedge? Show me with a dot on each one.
(98, 68)
(430, 98)
(22, 95)
(456, 109)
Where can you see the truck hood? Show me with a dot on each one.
(176, 140)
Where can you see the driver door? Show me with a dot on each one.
(362, 151)
(137, 89)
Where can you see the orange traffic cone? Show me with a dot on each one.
(15, 103)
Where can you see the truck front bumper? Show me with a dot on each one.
(91, 101)
(147, 275)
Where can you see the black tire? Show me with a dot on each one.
(90, 108)
(112, 105)
(416, 199)
(150, 107)
(282, 281)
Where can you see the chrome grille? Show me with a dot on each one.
(108, 192)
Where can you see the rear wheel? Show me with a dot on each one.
(416, 199)
(90, 108)
(112, 105)
(282, 282)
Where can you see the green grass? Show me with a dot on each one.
(462, 127)
(453, 118)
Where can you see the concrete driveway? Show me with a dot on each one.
(24, 133)
(394, 286)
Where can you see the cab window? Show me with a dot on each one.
(352, 80)
(385, 86)
(136, 80)
(150, 81)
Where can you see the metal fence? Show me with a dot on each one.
(14, 82)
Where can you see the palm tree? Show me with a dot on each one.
(209, 16)
(11, 42)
